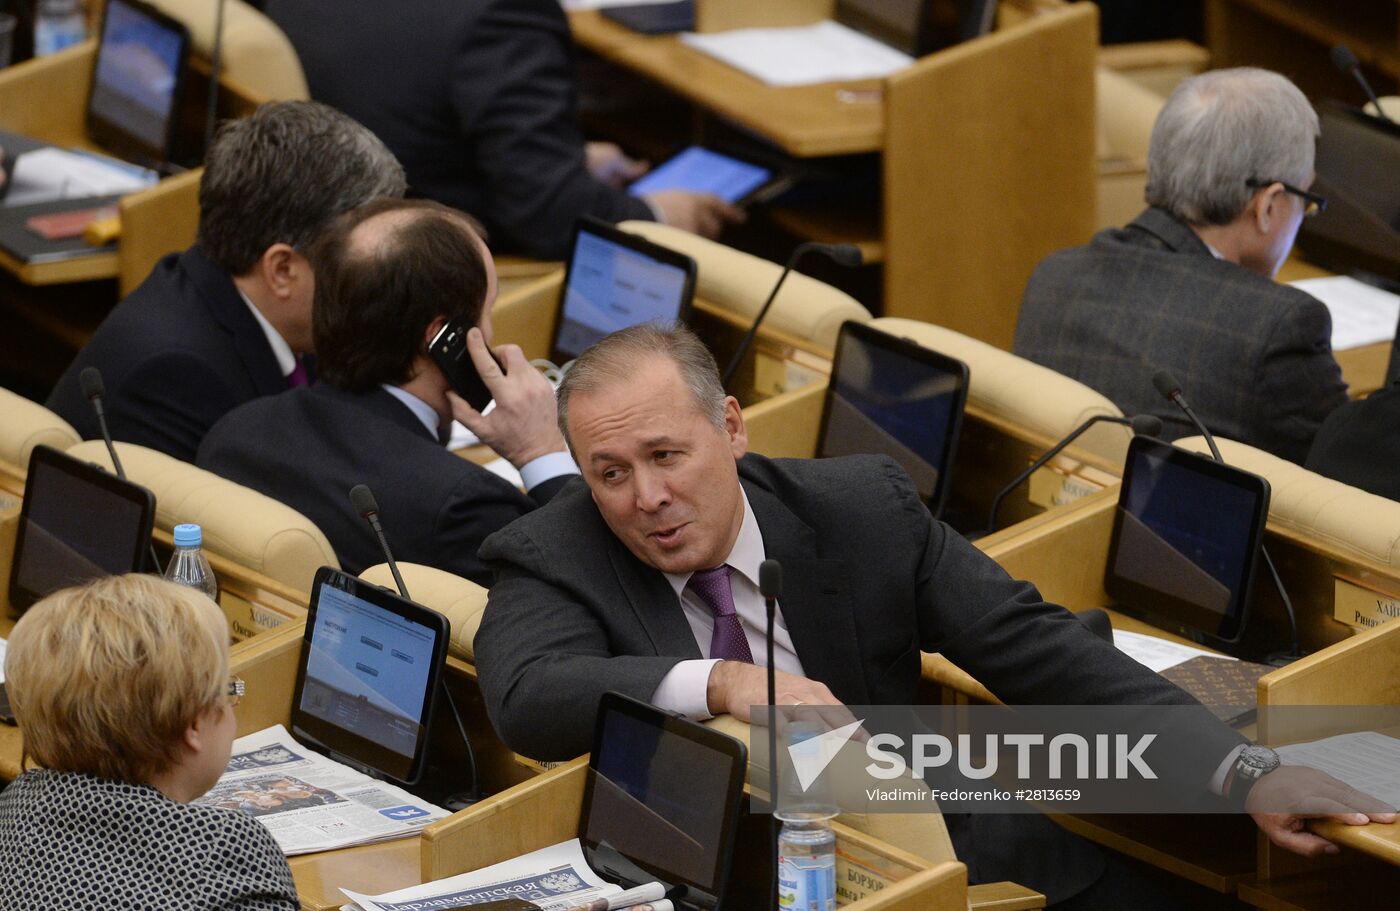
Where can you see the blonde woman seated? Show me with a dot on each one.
(123, 694)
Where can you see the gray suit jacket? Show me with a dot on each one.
(1254, 357)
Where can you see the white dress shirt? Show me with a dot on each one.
(532, 473)
(683, 689)
(286, 358)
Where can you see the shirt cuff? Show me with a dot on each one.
(655, 211)
(1217, 781)
(550, 465)
(684, 689)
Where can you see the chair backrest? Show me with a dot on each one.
(24, 425)
(1022, 393)
(155, 221)
(254, 52)
(740, 282)
(460, 600)
(1348, 519)
(240, 524)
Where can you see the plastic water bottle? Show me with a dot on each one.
(189, 566)
(58, 24)
(806, 863)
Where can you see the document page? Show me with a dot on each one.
(1367, 761)
(801, 55)
(311, 803)
(1362, 314)
(554, 878)
(1157, 654)
(48, 174)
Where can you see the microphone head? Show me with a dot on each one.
(91, 380)
(1146, 425)
(770, 578)
(363, 500)
(1343, 59)
(1166, 384)
(847, 255)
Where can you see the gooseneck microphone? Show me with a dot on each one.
(1171, 390)
(94, 390)
(770, 586)
(847, 255)
(216, 55)
(368, 508)
(1344, 60)
(1142, 425)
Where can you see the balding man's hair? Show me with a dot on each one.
(615, 360)
(379, 286)
(1221, 129)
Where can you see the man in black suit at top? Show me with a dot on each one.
(389, 275)
(1188, 286)
(229, 319)
(643, 580)
(478, 99)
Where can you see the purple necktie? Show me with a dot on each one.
(298, 376)
(728, 641)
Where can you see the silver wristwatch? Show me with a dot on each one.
(1253, 763)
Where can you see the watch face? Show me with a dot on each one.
(1259, 760)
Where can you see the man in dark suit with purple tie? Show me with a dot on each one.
(229, 319)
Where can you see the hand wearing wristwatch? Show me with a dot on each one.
(1253, 763)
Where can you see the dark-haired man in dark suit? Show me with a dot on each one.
(1359, 444)
(643, 580)
(389, 275)
(1188, 286)
(229, 319)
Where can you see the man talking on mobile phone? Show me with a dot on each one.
(389, 276)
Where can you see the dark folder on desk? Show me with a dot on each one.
(1227, 687)
(23, 244)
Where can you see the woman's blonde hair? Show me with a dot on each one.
(105, 678)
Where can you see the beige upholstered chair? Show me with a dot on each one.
(740, 283)
(255, 53)
(24, 425)
(1022, 393)
(240, 524)
(460, 600)
(1349, 520)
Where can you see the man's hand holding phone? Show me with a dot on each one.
(523, 426)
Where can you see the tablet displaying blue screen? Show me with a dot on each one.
(702, 171)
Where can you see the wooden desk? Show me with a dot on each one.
(966, 213)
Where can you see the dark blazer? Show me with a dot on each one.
(1359, 444)
(477, 98)
(309, 446)
(870, 580)
(177, 354)
(1254, 357)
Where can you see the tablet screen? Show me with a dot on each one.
(615, 281)
(370, 663)
(136, 78)
(702, 171)
(78, 523)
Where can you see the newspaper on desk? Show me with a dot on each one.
(554, 878)
(311, 803)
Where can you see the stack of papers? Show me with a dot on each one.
(802, 55)
(311, 803)
(1362, 314)
(1368, 761)
(49, 174)
(1158, 654)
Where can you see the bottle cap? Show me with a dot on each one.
(188, 535)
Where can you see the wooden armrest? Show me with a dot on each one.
(1004, 896)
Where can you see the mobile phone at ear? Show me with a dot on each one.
(448, 349)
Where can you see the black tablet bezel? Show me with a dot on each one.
(676, 725)
(912, 350)
(665, 255)
(112, 136)
(346, 745)
(1175, 614)
(45, 458)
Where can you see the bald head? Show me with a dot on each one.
(385, 272)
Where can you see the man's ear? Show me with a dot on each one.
(1263, 208)
(734, 427)
(433, 329)
(282, 268)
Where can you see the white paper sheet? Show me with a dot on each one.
(1362, 314)
(1157, 654)
(48, 174)
(802, 55)
(1367, 761)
